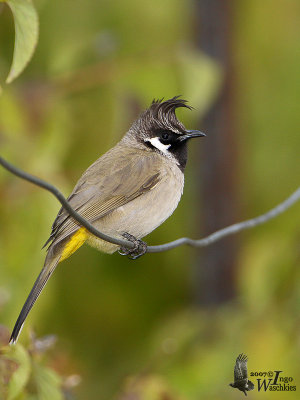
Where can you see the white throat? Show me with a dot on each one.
(160, 146)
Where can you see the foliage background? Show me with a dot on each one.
(135, 326)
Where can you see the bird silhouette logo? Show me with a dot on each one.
(241, 381)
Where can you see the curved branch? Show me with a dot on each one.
(214, 237)
(231, 229)
(82, 221)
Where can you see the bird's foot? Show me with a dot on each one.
(137, 251)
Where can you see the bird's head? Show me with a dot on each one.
(250, 385)
(159, 130)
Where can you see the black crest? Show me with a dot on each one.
(161, 115)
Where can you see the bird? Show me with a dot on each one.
(241, 381)
(126, 193)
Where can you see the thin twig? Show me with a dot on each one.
(82, 221)
(231, 229)
(214, 237)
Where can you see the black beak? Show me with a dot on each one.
(190, 134)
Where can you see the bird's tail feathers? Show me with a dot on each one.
(38, 286)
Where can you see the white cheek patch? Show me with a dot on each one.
(160, 146)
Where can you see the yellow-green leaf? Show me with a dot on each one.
(21, 375)
(26, 35)
(47, 382)
(201, 78)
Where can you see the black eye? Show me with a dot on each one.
(165, 136)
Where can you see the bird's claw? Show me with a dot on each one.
(137, 251)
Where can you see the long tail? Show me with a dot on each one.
(38, 286)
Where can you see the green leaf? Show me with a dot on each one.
(48, 383)
(21, 375)
(201, 78)
(26, 35)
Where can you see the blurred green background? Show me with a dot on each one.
(141, 328)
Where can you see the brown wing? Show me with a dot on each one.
(113, 180)
(240, 368)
